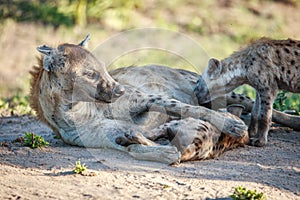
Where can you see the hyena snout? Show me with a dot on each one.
(118, 91)
(109, 93)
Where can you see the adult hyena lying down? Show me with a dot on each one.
(267, 65)
(129, 110)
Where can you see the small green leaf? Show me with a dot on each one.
(34, 141)
(241, 193)
(79, 168)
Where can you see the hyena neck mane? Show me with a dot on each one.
(35, 92)
(53, 103)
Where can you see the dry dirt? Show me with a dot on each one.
(47, 173)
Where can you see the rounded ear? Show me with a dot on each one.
(84, 43)
(53, 58)
(45, 50)
(214, 68)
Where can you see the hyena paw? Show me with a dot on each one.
(257, 142)
(236, 128)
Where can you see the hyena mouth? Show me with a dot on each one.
(111, 97)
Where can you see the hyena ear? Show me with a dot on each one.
(45, 50)
(84, 43)
(52, 59)
(214, 68)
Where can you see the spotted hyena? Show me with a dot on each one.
(267, 65)
(149, 112)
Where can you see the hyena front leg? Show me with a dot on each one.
(264, 118)
(161, 153)
(172, 107)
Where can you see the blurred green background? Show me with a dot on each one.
(219, 26)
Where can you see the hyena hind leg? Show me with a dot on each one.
(194, 138)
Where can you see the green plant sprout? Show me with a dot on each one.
(241, 193)
(79, 168)
(34, 141)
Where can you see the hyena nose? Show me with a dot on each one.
(118, 91)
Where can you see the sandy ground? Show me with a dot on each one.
(47, 173)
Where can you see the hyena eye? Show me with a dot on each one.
(90, 74)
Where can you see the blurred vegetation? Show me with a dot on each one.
(121, 14)
(284, 100)
(68, 12)
(46, 13)
(287, 101)
(15, 105)
(222, 26)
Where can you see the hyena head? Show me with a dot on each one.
(212, 83)
(78, 74)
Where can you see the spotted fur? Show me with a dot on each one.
(266, 65)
